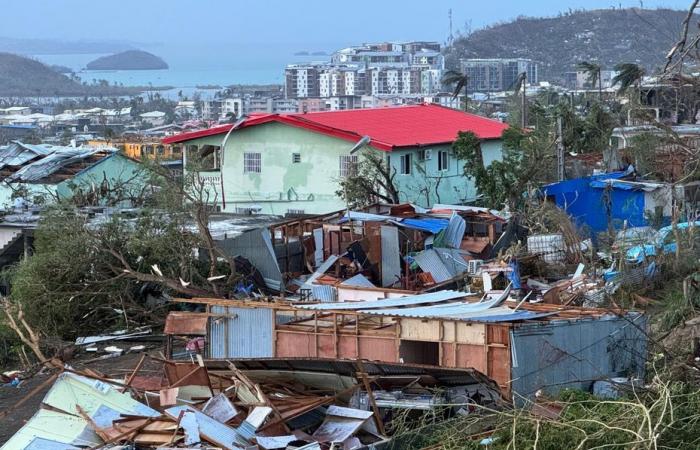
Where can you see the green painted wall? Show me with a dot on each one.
(426, 185)
(281, 185)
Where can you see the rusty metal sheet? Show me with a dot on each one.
(186, 323)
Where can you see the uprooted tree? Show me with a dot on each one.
(88, 275)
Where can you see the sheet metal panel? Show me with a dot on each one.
(242, 333)
(256, 246)
(455, 231)
(358, 280)
(574, 354)
(430, 261)
(431, 297)
(391, 256)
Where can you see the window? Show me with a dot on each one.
(443, 161)
(348, 165)
(405, 168)
(421, 155)
(296, 158)
(160, 150)
(209, 157)
(252, 163)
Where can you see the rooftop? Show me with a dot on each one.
(389, 128)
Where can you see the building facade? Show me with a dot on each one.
(497, 74)
(293, 163)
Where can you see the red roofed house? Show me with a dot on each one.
(291, 163)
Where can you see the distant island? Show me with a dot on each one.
(128, 60)
(21, 76)
(306, 53)
(302, 53)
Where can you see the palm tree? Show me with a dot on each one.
(460, 80)
(519, 85)
(593, 72)
(628, 75)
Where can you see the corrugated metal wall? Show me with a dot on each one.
(244, 333)
(577, 353)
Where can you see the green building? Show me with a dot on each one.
(292, 163)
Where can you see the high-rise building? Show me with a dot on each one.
(497, 74)
(386, 68)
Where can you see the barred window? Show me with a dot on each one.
(348, 165)
(296, 158)
(252, 163)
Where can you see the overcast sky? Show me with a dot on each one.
(316, 22)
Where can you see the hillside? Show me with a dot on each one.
(20, 76)
(610, 36)
(128, 60)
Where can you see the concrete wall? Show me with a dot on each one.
(309, 185)
(115, 169)
(426, 185)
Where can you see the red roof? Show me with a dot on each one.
(388, 128)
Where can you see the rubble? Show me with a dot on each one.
(251, 404)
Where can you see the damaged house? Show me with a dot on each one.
(45, 173)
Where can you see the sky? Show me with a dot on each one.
(316, 24)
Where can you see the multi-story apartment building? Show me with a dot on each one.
(371, 69)
(497, 74)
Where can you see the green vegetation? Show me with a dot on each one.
(561, 43)
(128, 60)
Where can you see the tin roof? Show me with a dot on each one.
(186, 323)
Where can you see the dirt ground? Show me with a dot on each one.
(118, 367)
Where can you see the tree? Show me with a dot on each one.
(628, 75)
(527, 160)
(593, 72)
(372, 181)
(460, 81)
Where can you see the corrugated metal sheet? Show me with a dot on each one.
(455, 231)
(432, 297)
(244, 333)
(358, 280)
(216, 432)
(391, 256)
(453, 311)
(53, 430)
(324, 293)
(51, 163)
(574, 354)
(429, 261)
(453, 260)
(256, 246)
(427, 224)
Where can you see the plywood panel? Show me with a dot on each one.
(471, 333)
(326, 346)
(420, 330)
(448, 355)
(471, 356)
(499, 365)
(294, 345)
(347, 347)
(378, 349)
(499, 334)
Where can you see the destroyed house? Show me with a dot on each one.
(46, 173)
(524, 347)
(292, 163)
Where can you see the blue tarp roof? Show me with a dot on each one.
(428, 224)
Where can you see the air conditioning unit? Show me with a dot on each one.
(428, 154)
(474, 265)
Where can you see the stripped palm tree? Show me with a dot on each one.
(460, 81)
(593, 74)
(519, 85)
(628, 75)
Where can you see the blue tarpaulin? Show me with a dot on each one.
(427, 224)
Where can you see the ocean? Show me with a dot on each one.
(193, 65)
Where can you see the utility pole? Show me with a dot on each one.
(560, 151)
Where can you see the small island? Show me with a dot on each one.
(128, 60)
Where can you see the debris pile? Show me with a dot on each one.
(246, 404)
